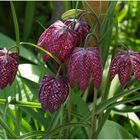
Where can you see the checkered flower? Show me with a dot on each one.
(8, 67)
(85, 63)
(80, 26)
(123, 64)
(53, 92)
(60, 40)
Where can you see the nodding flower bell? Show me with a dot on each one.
(60, 40)
(9, 62)
(123, 64)
(53, 92)
(83, 64)
(80, 26)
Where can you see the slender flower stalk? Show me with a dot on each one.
(43, 50)
(93, 119)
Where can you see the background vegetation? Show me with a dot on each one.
(21, 114)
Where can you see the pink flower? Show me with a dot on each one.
(8, 67)
(80, 26)
(53, 92)
(60, 40)
(123, 64)
(84, 63)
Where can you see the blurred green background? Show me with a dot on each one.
(30, 14)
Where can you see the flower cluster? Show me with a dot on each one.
(68, 42)
(60, 38)
(64, 40)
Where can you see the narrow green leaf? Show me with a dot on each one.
(34, 114)
(102, 106)
(7, 129)
(32, 134)
(25, 126)
(127, 109)
(15, 23)
(106, 28)
(63, 127)
(28, 21)
(131, 99)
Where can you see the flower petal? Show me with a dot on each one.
(53, 92)
(96, 66)
(136, 68)
(81, 27)
(114, 67)
(125, 70)
(73, 68)
(84, 72)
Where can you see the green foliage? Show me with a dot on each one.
(21, 115)
(112, 130)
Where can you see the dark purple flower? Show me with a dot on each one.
(53, 92)
(123, 64)
(8, 67)
(80, 26)
(60, 40)
(84, 63)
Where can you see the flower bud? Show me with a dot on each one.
(124, 64)
(53, 92)
(60, 40)
(8, 67)
(84, 63)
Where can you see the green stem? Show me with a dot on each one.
(43, 50)
(57, 74)
(87, 39)
(18, 111)
(93, 120)
(107, 88)
(69, 108)
(69, 115)
(4, 115)
(8, 130)
(21, 103)
(41, 24)
(76, 7)
(15, 23)
(61, 119)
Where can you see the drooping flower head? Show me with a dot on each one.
(123, 64)
(83, 64)
(8, 67)
(80, 26)
(60, 40)
(53, 92)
